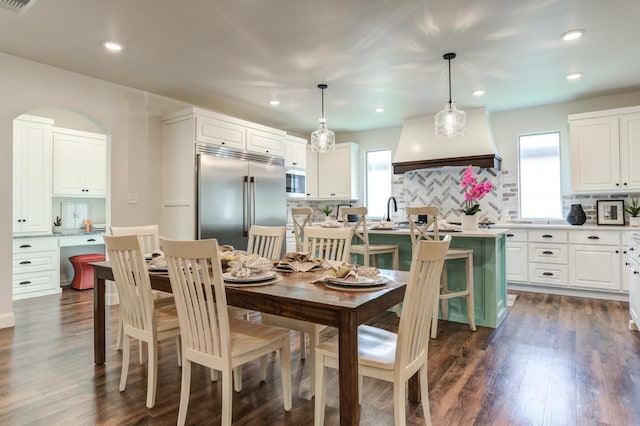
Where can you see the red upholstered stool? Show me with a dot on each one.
(82, 271)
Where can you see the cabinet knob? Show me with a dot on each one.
(90, 240)
(547, 236)
(24, 282)
(636, 272)
(625, 184)
(617, 251)
(25, 262)
(593, 237)
(617, 184)
(626, 263)
(295, 164)
(547, 252)
(25, 246)
(510, 235)
(624, 251)
(547, 274)
(222, 143)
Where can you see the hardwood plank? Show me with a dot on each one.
(554, 360)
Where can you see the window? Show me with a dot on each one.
(539, 176)
(378, 181)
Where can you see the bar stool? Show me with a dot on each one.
(367, 250)
(422, 232)
(301, 217)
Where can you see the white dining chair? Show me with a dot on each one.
(209, 336)
(266, 241)
(323, 243)
(388, 356)
(150, 242)
(429, 231)
(364, 248)
(301, 217)
(141, 319)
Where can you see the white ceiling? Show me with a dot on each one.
(234, 56)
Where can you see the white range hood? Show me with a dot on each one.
(419, 148)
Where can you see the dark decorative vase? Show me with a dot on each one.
(576, 215)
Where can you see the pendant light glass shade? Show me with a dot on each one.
(450, 122)
(323, 139)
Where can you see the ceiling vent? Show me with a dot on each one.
(19, 6)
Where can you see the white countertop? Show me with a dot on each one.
(586, 227)
(480, 233)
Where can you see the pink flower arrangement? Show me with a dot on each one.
(473, 191)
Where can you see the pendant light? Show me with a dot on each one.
(450, 122)
(323, 139)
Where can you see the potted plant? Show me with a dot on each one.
(473, 191)
(57, 225)
(327, 210)
(634, 210)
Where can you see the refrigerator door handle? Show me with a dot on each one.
(252, 183)
(245, 207)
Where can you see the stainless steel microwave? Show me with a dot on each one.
(295, 182)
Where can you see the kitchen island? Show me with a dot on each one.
(489, 270)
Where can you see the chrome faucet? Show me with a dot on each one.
(395, 207)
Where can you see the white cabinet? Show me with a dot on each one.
(338, 172)
(36, 268)
(219, 132)
(595, 260)
(517, 259)
(79, 163)
(32, 157)
(633, 276)
(295, 152)
(548, 257)
(605, 150)
(311, 173)
(263, 141)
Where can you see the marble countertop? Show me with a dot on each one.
(586, 227)
(480, 233)
(65, 233)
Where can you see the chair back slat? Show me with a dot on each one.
(360, 226)
(266, 241)
(421, 232)
(201, 302)
(420, 300)
(301, 217)
(132, 282)
(329, 243)
(149, 235)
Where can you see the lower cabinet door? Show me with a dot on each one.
(517, 261)
(42, 283)
(595, 267)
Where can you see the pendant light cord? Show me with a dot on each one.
(449, 81)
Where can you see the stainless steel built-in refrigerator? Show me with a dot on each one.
(237, 190)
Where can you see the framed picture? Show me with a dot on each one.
(610, 212)
(339, 211)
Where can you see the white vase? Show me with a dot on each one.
(470, 222)
(634, 221)
(57, 229)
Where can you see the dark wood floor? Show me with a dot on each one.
(555, 360)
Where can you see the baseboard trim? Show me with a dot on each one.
(7, 320)
(624, 297)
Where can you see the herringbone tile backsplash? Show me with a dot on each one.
(441, 187)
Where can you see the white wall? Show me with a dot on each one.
(130, 117)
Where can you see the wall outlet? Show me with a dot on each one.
(132, 198)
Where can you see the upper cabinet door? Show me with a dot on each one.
(630, 151)
(295, 152)
(32, 176)
(79, 164)
(595, 154)
(220, 132)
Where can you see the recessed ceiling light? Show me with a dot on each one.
(113, 46)
(378, 109)
(478, 92)
(572, 35)
(274, 103)
(574, 76)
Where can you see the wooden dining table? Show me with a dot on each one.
(295, 296)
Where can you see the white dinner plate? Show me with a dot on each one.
(360, 282)
(263, 276)
(255, 284)
(287, 268)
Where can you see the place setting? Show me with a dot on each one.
(352, 277)
(242, 270)
(298, 262)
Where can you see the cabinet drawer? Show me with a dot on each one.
(547, 236)
(544, 273)
(265, 143)
(548, 253)
(220, 132)
(37, 261)
(26, 245)
(34, 282)
(594, 237)
(516, 235)
(81, 240)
